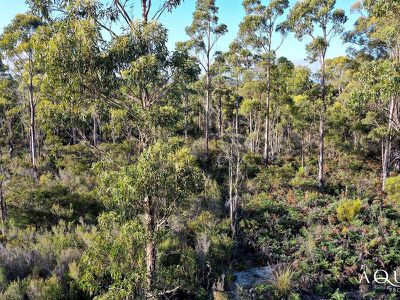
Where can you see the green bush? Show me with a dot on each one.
(46, 206)
(45, 289)
(392, 188)
(348, 210)
(15, 291)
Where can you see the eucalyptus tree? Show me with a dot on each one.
(374, 93)
(5, 126)
(105, 11)
(17, 45)
(162, 180)
(131, 70)
(377, 37)
(75, 81)
(281, 119)
(146, 8)
(236, 63)
(221, 90)
(3, 204)
(385, 23)
(11, 109)
(319, 21)
(184, 88)
(303, 106)
(147, 73)
(205, 31)
(258, 31)
(251, 107)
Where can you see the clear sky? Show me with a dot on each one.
(230, 12)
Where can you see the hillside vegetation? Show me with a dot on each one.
(132, 171)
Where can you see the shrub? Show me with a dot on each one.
(46, 206)
(40, 289)
(392, 188)
(19, 263)
(15, 291)
(338, 295)
(348, 210)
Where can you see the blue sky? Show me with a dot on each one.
(230, 12)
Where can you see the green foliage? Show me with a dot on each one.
(15, 291)
(114, 260)
(165, 173)
(114, 263)
(46, 206)
(392, 188)
(45, 289)
(348, 209)
(338, 295)
(121, 165)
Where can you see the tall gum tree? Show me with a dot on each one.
(376, 43)
(205, 32)
(258, 31)
(319, 21)
(384, 21)
(16, 43)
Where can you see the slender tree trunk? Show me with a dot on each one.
(231, 196)
(220, 116)
(267, 117)
(237, 117)
(236, 199)
(234, 162)
(302, 150)
(151, 245)
(387, 145)
(268, 98)
(145, 10)
(95, 137)
(251, 133)
(321, 150)
(208, 92)
(74, 137)
(3, 210)
(10, 141)
(321, 158)
(199, 123)
(257, 131)
(207, 113)
(186, 96)
(32, 128)
(234, 174)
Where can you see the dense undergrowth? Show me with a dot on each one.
(317, 242)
